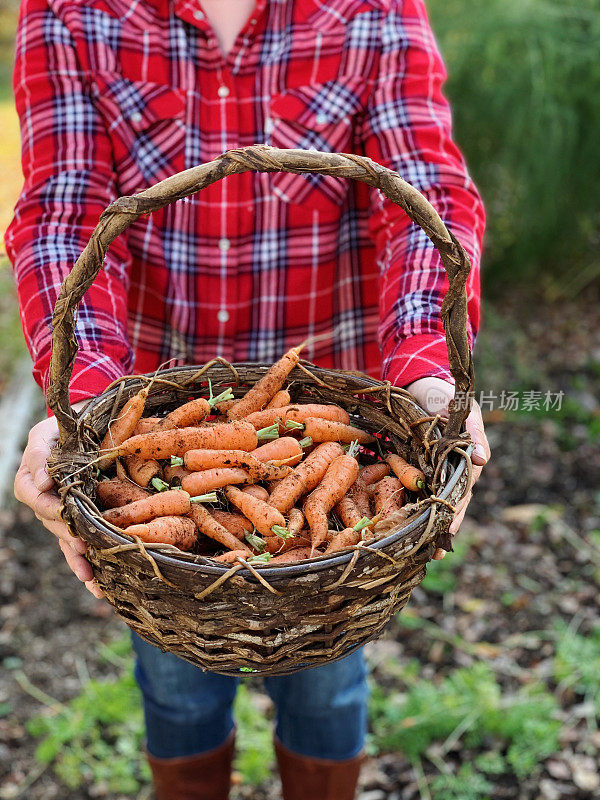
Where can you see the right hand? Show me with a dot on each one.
(35, 488)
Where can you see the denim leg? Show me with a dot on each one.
(322, 712)
(187, 711)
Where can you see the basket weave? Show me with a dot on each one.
(273, 620)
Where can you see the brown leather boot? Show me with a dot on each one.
(206, 776)
(304, 778)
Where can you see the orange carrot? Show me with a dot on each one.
(282, 398)
(359, 496)
(209, 526)
(276, 546)
(164, 444)
(197, 460)
(340, 475)
(410, 476)
(178, 531)
(297, 413)
(305, 477)
(193, 412)
(174, 473)
(121, 471)
(237, 524)
(285, 450)
(325, 430)
(297, 554)
(295, 521)
(347, 511)
(117, 492)
(121, 428)
(343, 539)
(163, 504)
(374, 472)
(267, 387)
(231, 556)
(388, 494)
(141, 471)
(263, 515)
(257, 491)
(210, 479)
(145, 425)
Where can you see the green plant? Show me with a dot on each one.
(524, 79)
(467, 784)
(254, 739)
(441, 575)
(577, 661)
(468, 705)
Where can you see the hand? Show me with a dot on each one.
(35, 488)
(434, 395)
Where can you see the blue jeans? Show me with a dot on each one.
(321, 712)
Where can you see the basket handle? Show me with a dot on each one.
(262, 158)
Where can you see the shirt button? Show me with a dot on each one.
(321, 119)
(223, 91)
(223, 315)
(253, 21)
(135, 117)
(269, 125)
(199, 15)
(224, 244)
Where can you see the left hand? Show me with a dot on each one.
(434, 395)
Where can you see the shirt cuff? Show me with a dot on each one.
(419, 356)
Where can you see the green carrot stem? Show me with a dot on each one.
(268, 434)
(176, 461)
(353, 449)
(227, 394)
(362, 523)
(160, 485)
(420, 484)
(283, 533)
(306, 442)
(294, 426)
(263, 558)
(211, 497)
(255, 541)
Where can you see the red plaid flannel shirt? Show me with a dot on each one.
(114, 95)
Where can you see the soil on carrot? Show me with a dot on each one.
(512, 614)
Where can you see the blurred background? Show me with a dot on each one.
(488, 685)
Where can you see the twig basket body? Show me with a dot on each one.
(269, 619)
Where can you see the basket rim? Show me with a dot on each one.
(288, 570)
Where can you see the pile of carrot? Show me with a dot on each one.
(258, 479)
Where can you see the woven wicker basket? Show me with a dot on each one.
(270, 619)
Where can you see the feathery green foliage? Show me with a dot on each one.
(524, 81)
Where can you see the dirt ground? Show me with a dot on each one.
(516, 580)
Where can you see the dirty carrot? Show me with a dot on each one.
(267, 387)
(209, 479)
(374, 472)
(305, 477)
(297, 554)
(164, 444)
(325, 430)
(297, 413)
(295, 521)
(261, 514)
(275, 546)
(348, 537)
(257, 491)
(410, 476)
(359, 495)
(347, 510)
(340, 475)
(192, 413)
(232, 556)
(145, 425)
(282, 398)
(178, 531)
(388, 494)
(237, 524)
(164, 504)
(141, 471)
(174, 473)
(285, 450)
(209, 526)
(117, 492)
(121, 428)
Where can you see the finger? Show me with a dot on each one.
(60, 530)
(93, 587)
(77, 564)
(456, 522)
(474, 425)
(439, 554)
(44, 504)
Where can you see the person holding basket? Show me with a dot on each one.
(115, 96)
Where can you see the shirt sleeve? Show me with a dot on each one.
(408, 128)
(68, 181)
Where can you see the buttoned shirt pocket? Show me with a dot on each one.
(315, 117)
(146, 123)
